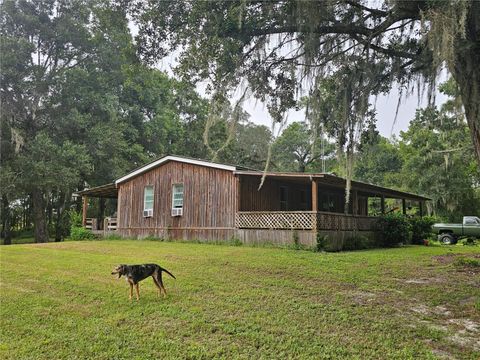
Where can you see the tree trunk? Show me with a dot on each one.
(466, 71)
(59, 217)
(6, 221)
(101, 213)
(39, 217)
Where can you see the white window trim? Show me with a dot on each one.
(144, 197)
(173, 195)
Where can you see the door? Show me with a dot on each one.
(471, 226)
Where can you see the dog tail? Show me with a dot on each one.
(168, 272)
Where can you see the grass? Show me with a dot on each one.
(59, 301)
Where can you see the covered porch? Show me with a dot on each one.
(99, 209)
(316, 202)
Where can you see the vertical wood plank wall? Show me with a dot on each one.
(209, 205)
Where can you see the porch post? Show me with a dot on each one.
(382, 204)
(404, 207)
(314, 195)
(420, 206)
(84, 210)
(314, 205)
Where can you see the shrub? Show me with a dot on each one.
(393, 229)
(80, 233)
(235, 241)
(421, 228)
(112, 236)
(468, 262)
(321, 242)
(296, 240)
(75, 219)
(358, 242)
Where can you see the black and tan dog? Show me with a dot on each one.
(136, 273)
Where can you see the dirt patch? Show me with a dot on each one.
(450, 258)
(463, 332)
(467, 324)
(423, 281)
(362, 297)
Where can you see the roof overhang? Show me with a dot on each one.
(104, 191)
(165, 159)
(336, 181)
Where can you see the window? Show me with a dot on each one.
(148, 198)
(471, 221)
(283, 198)
(177, 196)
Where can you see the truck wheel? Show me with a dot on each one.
(447, 239)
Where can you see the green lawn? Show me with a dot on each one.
(59, 301)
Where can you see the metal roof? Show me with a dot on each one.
(165, 159)
(104, 191)
(111, 191)
(337, 181)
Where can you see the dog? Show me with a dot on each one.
(136, 273)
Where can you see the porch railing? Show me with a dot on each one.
(303, 220)
(109, 224)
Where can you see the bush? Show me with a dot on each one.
(80, 233)
(467, 262)
(296, 240)
(393, 229)
(421, 228)
(358, 242)
(235, 241)
(75, 219)
(321, 242)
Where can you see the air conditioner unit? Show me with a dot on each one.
(148, 213)
(177, 211)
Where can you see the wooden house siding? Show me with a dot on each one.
(209, 205)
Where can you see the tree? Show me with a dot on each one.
(378, 160)
(276, 45)
(437, 146)
(297, 149)
(40, 41)
(250, 146)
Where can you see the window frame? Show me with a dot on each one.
(145, 197)
(174, 192)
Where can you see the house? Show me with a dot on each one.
(181, 198)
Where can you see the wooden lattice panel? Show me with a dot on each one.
(276, 220)
(307, 220)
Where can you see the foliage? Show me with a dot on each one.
(436, 146)
(378, 160)
(280, 49)
(464, 261)
(296, 240)
(80, 233)
(345, 243)
(298, 149)
(321, 242)
(393, 229)
(76, 218)
(421, 228)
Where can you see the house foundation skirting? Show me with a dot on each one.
(276, 237)
(193, 233)
(335, 238)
